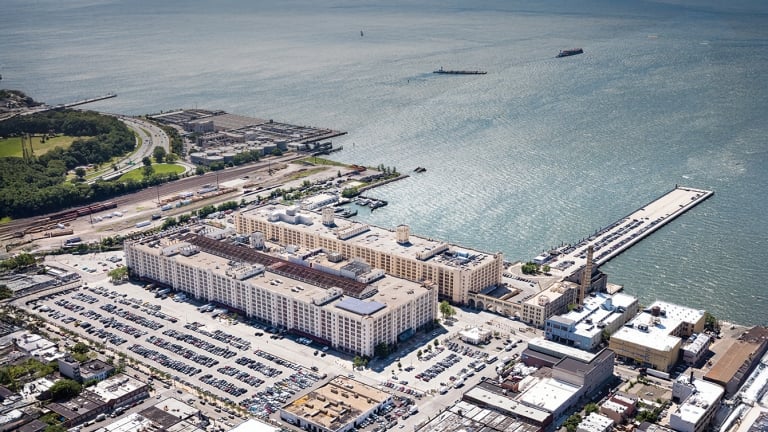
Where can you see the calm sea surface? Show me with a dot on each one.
(537, 152)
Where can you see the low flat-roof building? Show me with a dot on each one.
(595, 422)
(619, 407)
(653, 338)
(475, 335)
(695, 347)
(699, 401)
(350, 315)
(545, 353)
(338, 406)
(733, 368)
(487, 395)
(457, 271)
(585, 326)
(117, 391)
(94, 369)
(38, 346)
(253, 425)
(465, 416)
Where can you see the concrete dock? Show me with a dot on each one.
(621, 235)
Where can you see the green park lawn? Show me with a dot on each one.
(11, 147)
(137, 174)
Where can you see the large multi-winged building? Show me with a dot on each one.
(457, 272)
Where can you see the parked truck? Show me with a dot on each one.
(163, 292)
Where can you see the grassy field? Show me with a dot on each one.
(137, 174)
(311, 160)
(11, 147)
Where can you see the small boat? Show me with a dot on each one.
(420, 170)
(570, 52)
(348, 213)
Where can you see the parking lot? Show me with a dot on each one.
(254, 366)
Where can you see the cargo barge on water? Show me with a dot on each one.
(459, 72)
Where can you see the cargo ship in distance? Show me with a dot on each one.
(570, 52)
(459, 72)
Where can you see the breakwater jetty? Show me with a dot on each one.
(611, 241)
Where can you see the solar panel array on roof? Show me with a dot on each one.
(360, 307)
(276, 265)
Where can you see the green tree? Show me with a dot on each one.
(711, 322)
(159, 154)
(349, 192)
(381, 349)
(147, 171)
(118, 274)
(146, 161)
(530, 268)
(590, 408)
(65, 389)
(200, 170)
(277, 152)
(81, 348)
(5, 292)
(169, 222)
(80, 173)
(446, 309)
(572, 422)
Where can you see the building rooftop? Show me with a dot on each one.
(294, 280)
(276, 265)
(507, 404)
(116, 387)
(548, 394)
(337, 403)
(253, 425)
(168, 412)
(653, 327)
(695, 406)
(549, 295)
(573, 365)
(599, 310)
(729, 364)
(75, 407)
(595, 422)
(94, 367)
(376, 238)
(131, 423)
(553, 348)
(614, 406)
(464, 416)
(696, 344)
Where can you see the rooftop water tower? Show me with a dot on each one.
(328, 216)
(403, 234)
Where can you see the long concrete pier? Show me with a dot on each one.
(621, 235)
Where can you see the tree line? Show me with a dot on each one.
(38, 185)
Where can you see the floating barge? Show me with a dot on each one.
(459, 72)
(570, 52)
